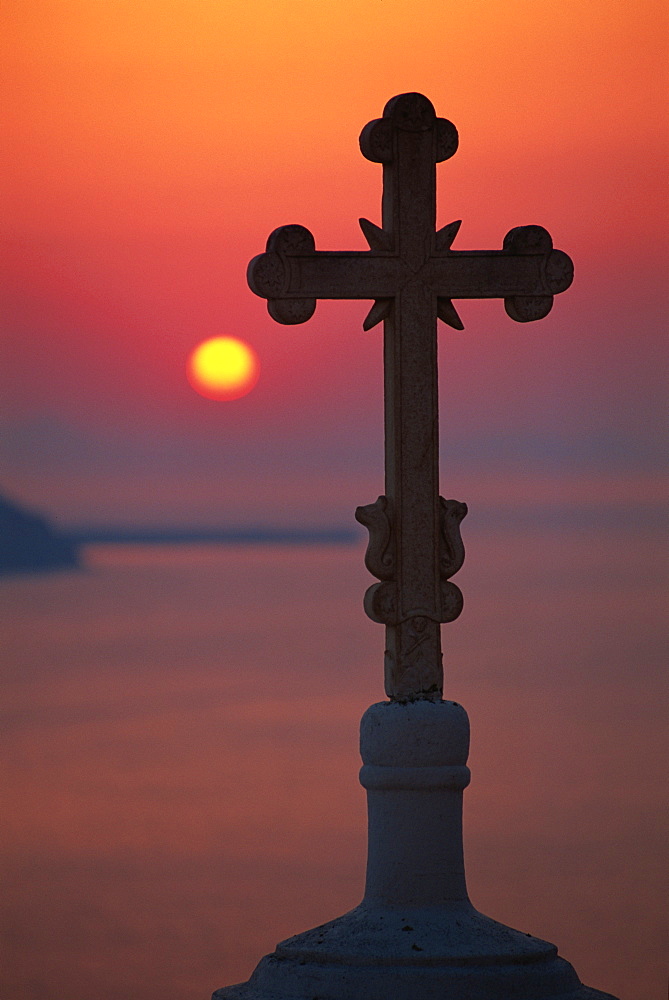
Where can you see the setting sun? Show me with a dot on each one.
(223, 368)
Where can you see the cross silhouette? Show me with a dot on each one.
(413, 275)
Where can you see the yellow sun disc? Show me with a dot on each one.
(223, 368)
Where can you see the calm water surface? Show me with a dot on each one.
(180, 746)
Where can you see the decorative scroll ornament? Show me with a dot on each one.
(380, 600)
(379, 557)
(452, 549)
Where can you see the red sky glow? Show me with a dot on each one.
(150, 149)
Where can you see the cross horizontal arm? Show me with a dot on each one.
(327, 274)
(497, 274)
(459, 274)
(527, 272)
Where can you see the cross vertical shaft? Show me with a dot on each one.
(413, 659)
(413, 644)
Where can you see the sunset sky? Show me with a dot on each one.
(150, 147)
(160, 709)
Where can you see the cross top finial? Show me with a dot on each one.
(410, 113)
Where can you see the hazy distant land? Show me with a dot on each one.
(30, 543)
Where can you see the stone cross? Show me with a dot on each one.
(413, 275)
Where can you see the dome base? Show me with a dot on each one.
(448, 952)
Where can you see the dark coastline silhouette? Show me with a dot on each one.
(218, 536)
(29, 543)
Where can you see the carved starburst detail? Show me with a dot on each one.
(444, 237)
(377, 238)
(380, 310)
(448, 314)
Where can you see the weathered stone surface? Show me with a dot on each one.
(413, 275)
(415, 935)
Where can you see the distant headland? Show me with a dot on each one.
(29, 543)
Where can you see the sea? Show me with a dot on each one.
(180, 755)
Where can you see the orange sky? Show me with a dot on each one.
(150, 148)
